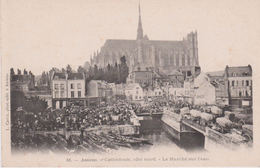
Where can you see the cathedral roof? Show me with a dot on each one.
(168, 45)
(120, 44)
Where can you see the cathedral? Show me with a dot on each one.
(163, 56)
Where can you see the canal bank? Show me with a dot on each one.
(160, 134)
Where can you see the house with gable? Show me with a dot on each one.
(134, 92)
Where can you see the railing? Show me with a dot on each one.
(224, 140)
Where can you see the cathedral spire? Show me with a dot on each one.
(140, 29)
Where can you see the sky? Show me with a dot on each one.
(40, 34)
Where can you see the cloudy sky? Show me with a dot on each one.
(41, 34)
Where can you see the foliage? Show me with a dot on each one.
(112, 74)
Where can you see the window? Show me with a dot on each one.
(233, 83)
(72, 86)
(56, 86)
(62, 86)
(159, 93)
(62, 94)
(72, 93)
(247, 82)
(242, 82)
(79, 93)
(56, 94)
(136, 92)
(136, 97)
(234, 74)
(137, 87)
(245, 73)
(79, 86)
(140, 97)
(155, 93)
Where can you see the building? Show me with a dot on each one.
(42, 94)
(200, 79)
(141, 74)
(97, 88)
(67, 89)
(180, 55)
(175, 76)
(134, 92)
(205, 94)
(158, 92)
(221, 87)
(239, 86)
(22, 82)
(120, 89)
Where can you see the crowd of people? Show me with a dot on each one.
(73, 118)
(77, 118)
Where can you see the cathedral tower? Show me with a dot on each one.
(139, 38)
(140, 29)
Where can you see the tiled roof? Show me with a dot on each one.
(239, 71)
(58, 75)
(130, 86)
(175, 73)
(73, 76)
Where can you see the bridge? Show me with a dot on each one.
(149, 114)
(215, 140)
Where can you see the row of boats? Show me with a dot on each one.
(86, 143)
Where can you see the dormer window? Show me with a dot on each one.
(245, 73)
(234, 74)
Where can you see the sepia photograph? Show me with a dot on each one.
(129, 83)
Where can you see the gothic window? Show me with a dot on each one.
(177, 60)
(188, 60)
(183, 60)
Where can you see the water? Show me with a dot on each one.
(153, 130)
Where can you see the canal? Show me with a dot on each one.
(151, 128)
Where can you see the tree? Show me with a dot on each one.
(95, 72)
(63, 70)
(69, 69)
(12, 71)
(123, 70)
(80, 69)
